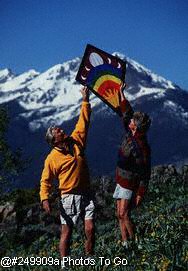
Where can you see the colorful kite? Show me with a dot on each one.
(103, 74)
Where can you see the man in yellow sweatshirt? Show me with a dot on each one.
(66, 162)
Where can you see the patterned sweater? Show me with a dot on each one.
(133, 166)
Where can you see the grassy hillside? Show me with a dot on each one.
(160, 221)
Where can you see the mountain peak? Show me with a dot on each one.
(119, 55)
(154, 78)
(6, 74)
(32, 72)
(17, 82)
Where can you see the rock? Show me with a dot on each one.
(157, 173)
(158, 170)
(171, 170)
(29, 214)
(11, 218)
(29, 234)
(2, 208)
(32, 214)
(7, 212)
(167, 173)
(184, 173)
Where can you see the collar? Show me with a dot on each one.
(59, 149)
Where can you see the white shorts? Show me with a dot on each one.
(122, 193)
(74, 206)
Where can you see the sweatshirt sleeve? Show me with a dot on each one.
(46, 180)
(126, 111)
(81, 129)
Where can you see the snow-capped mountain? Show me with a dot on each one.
(6, 75)
(37, 100)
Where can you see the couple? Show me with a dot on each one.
(66, 162)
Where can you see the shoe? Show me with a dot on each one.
(125, 244)
(64, 268)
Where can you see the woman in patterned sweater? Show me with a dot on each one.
(133, 166)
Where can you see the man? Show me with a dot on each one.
(66, 162)
(133, 166)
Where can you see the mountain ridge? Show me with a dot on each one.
(52, 97)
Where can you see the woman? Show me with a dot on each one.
(133, 166)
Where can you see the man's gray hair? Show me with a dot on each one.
(49, 136)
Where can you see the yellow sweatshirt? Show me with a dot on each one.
(70, 169)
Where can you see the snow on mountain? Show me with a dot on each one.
(16, 86)
(176, 110)
(5, 75)
(56, 88)
(159, 92)
(37, 100)
(50, 89)
(19, 81)
(141, 69)
(155, 78)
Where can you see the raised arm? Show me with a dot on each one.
(81, 129)
(125, 107)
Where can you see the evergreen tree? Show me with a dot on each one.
(10, 161)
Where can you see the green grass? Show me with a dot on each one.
(160, 242)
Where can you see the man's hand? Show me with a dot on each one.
(46, 206)
(85, 94)
(138, 200)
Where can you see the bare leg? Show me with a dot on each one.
(124, 214)
(64, 245)
(124, 220)
(121, 222)
(129, 225)
(90, 236)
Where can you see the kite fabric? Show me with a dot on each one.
(103, 74)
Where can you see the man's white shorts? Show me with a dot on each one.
(74, 206)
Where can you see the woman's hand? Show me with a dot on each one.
(122, 86)
(138, 200)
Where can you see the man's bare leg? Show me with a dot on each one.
(64, 245)
(90, 236)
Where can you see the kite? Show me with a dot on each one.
(103, 74)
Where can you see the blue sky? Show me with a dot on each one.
(41, 33)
